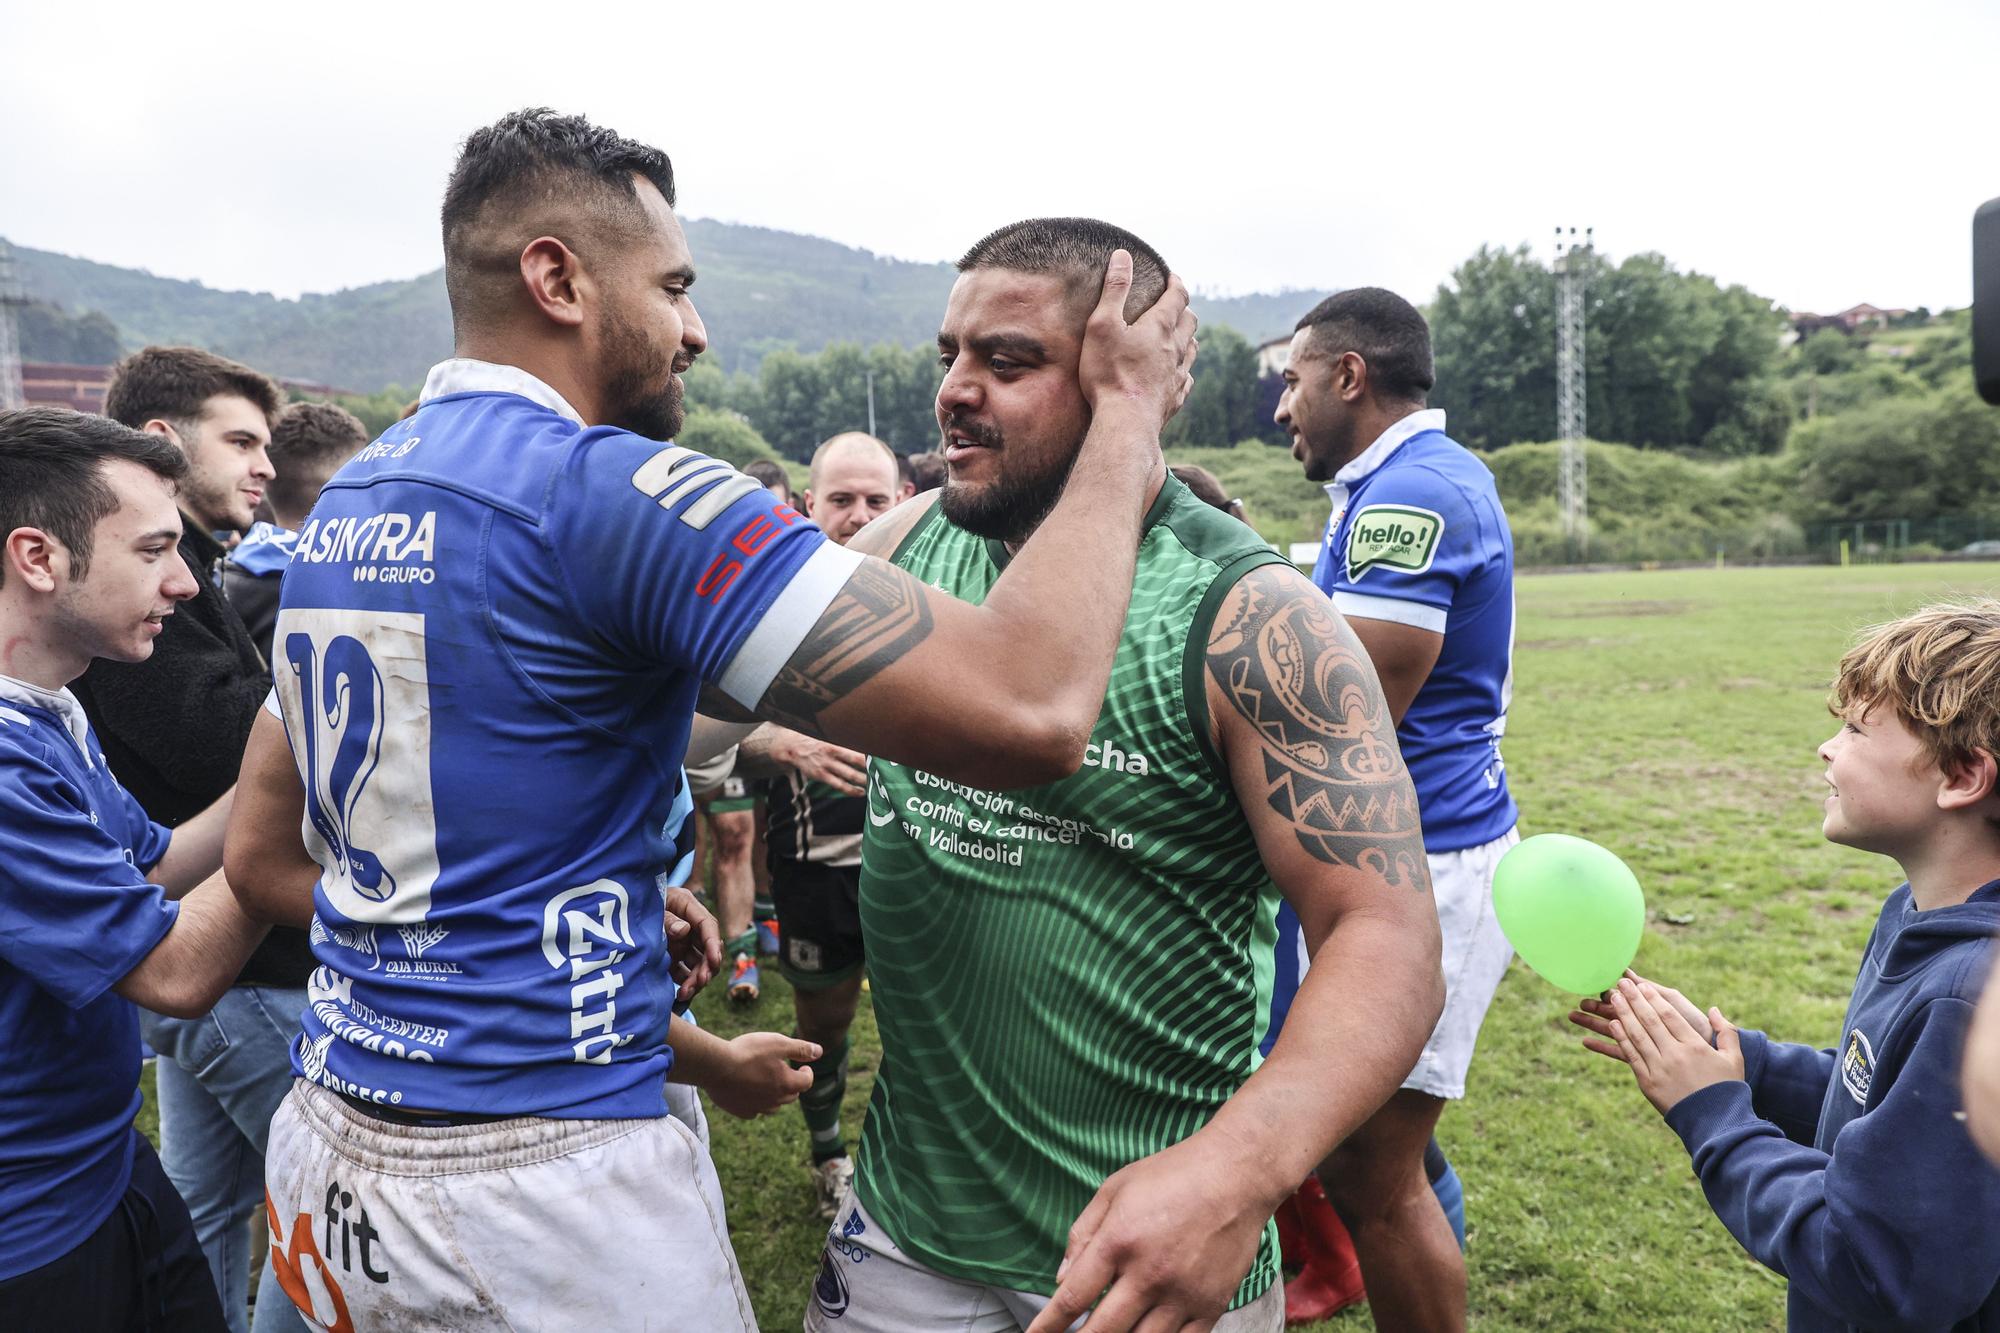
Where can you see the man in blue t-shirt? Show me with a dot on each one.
(1418, 558)
(495, 629)
(103, 908)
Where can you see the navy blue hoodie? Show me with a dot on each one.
(1849, 1170)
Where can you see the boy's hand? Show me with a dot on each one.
(1596, 1015)
(1668, 1057)
(759, 1077)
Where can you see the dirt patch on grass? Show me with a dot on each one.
(1563, 645)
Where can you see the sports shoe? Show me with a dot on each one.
(830, 1181)
(767, 938)
(744, 981)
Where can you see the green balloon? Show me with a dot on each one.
(1571, 909)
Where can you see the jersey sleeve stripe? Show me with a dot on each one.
(1360, 606)
(791, 617)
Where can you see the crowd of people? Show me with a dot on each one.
(362, 780)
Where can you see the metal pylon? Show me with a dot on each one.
(11, 299)
(1572, 271)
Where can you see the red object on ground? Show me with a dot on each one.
(1331, 1280)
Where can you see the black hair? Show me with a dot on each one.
(1389, 334)
(768, 473)
(535, 154)
(1076, 249)
(175, 383)
(52, 473)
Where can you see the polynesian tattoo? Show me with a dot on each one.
(1328, 754)
(878, 617)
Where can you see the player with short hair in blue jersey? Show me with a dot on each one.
(1419, 560)
(496, 627)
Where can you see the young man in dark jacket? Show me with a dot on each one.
(173, 729)
(1850, 1170)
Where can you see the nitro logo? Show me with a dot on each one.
(385, 548)
(589, 931)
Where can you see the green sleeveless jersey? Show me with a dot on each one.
(1070, 977)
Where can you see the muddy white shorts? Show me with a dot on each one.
(866, 1284)
(1476, 954)
(522, 1224)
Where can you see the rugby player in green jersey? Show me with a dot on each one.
(1071, 980)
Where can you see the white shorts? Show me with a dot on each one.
(521, 1224)
(1476, 954)
(866, 1284)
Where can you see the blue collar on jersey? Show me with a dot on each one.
(462, 374)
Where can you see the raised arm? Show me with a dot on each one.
(265, 854)
(1006, 693)
(1305, 732)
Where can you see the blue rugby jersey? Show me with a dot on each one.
(493, 631)
(76, 915)
(1417, 537)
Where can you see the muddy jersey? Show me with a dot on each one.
(1068, 977)
(493, 630)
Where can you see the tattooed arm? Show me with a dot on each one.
(1311, 748)
(1302, 725)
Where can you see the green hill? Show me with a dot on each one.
(761, 290)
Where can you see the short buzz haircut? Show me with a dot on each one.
(308, 445)
(175, 383)
(52, 473)
(1938, 670)
(1387, 332)
(1075, 250)
(846, 437)
(526, 163)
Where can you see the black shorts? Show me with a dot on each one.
(819, 922)
(141, 1269)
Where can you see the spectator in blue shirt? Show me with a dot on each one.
(100, 907)
(1850, 1169)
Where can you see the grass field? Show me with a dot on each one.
(1673, 717)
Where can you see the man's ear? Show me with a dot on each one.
(161, 426)
(1350, 377)
(553, 277)
(1971, 784)
(35, 558)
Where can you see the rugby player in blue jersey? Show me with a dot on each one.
(1419, 560)
(495, 629)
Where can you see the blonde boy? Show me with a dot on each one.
(1850, 1170)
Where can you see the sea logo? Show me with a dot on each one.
(354, 689)
(1399, 537)
(1857, 1066)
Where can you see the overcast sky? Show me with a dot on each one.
(1820, 153)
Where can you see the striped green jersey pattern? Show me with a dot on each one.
(1070, 977)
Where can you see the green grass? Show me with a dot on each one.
(1673, 717)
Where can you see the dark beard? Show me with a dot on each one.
(642, 396)
(1011, 508)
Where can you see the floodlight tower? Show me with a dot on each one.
(11, 297)
(1572, 478)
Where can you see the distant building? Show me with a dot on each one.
(1273, 356)
(1851, 320)
(53, 384)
